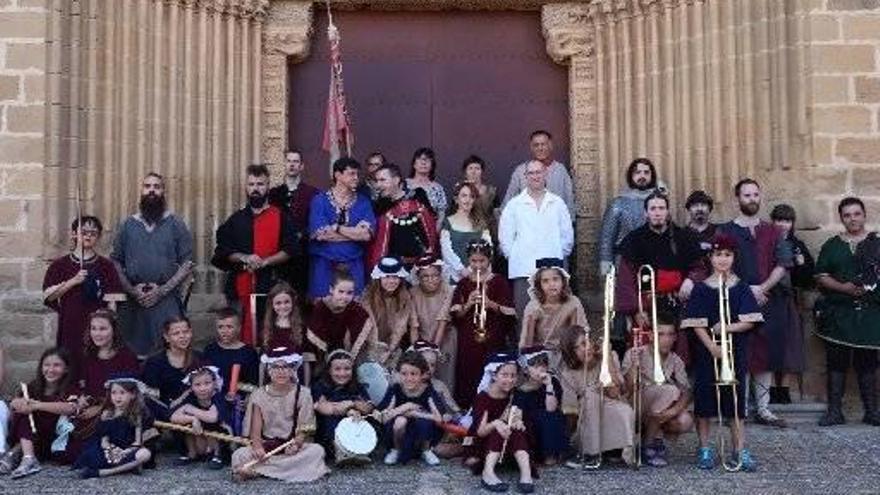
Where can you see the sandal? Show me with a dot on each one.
(29, 465)
(215, 463)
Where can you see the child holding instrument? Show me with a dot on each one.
(484, 317)
(337, 395)
(337, 321)
(125, 424)
(497, 425)
(227, 350)
(450, 445)
(664, 405)
(702, 314)
(279, 421)
(603, 422)
(390, 303)
(540, 398)
(551, 309)
(411, 411)
(202, 408)
(36, 413)
(432, 297)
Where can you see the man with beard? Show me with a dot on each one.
(406, 226)
(295, 196)
(762, 261)
(848, 314)
(340, 226)
(699, 206)
(153, 254)
(674, 255)
(251, 245)
(558, 178)
(627, 211)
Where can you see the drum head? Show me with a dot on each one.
(355, 437)
(375, 379)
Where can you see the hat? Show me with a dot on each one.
(218, 380)
(123, 377)
(388, 266)
(543, 263)
(424, 346)
(281, 355)
(725, 242)
(699, 197)
(527, 354)
(495, 362)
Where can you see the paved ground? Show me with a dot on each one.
(804, 459)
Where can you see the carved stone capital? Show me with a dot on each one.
(568, 30)
(288, 29)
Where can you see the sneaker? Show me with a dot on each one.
(706, 458)
(659, 446)
(429, 457)
(392, 457)
(749, 464)
(765, 417)
(658, 459)
(575, 462)
(592, 461)
(29, 465)
(184, 461)
(9, 460)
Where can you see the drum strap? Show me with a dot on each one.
(361, 338)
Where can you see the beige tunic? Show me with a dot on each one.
(430, 311)
(603, 424)
(390, 325)
(548, 324)
(657, 398)
(277, 412)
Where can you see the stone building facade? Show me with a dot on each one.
(101, 91)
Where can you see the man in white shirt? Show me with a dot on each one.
(535, 224)
(556, 175)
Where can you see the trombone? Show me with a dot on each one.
(480, 310)
(646, 275)
(605, 379)
(724, 375)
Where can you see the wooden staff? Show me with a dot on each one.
(249, 465)
(448, 427)
(209, 434)
(79, 234)
(510, 411)
(27, 397)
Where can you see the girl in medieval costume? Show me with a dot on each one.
(551, 309)
(390, 303)
(540, 398)
(283, 324)
(483, 316)
(432, 296)
(450, 446)
(280, 414)
(117, 445)
(202, 408)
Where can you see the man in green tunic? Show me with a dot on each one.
(849, 312)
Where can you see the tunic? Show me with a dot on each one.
(430, 311)
(327, 423)
(351, 329)
(405, 228)
(393, 322)
(75, 305)
(549, 323)
(757, 255)
(419, 431)
(297, 203)
(325, 255)
(454, 243)
(493, 409)
(658, 397)
(161, 375)
(625, 214)
(843, 319)
(265, 234)
(224, 359)
(284, 416)
(603, 424)
(547, 427)
(151, 255)
(121, 433)
(704, 237)
(702, 312)
(45, 422)
(96, 371)
(218, 401)
(471, 354)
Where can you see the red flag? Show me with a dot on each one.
(338, 137)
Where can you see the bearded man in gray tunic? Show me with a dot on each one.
(153, 254)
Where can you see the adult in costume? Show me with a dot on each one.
(406, 226)
(848, 314)
(699, 206)
(153, 253)
(251, 244)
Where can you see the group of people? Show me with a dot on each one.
(447, 326)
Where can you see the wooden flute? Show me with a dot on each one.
(209, 434)
(27, 396)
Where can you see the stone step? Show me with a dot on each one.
(799, 412)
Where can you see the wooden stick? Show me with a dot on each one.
(27, 397)
(209, 434)
(251, 464)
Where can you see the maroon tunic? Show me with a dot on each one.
(74, 306)
(494, 409)
(45, 425)
(470, 354)
(96, 371)
(328, 330)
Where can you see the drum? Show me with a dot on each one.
(375, 379)
(354, 439)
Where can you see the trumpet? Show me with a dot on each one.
(479, 319)
(605, 378)
(646, 275)
(724, 375)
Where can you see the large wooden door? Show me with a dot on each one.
(459, 82)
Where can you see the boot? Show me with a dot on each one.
(868, 391)
(836, 387)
